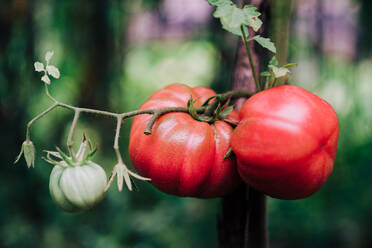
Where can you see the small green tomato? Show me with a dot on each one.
(78, 188)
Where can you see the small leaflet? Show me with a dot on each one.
(53, 71)
(38, 66)
(265, 42)
(48, 56)
(45, 79)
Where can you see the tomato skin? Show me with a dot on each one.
(286, 142)
(183, 156)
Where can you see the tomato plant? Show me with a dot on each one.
(183, 156)
(286, 142)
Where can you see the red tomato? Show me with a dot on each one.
(286, 142)
(183, 156)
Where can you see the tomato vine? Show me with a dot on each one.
(233, 19)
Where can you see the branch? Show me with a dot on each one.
(258, 87)
(71, 133)
(120, 170)
(155, 112)
(29, 124)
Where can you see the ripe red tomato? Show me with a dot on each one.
(183, 156)
(286, 142)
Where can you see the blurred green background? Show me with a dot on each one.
(112, 55)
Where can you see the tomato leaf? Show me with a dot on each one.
(233, 18)
(38, 66)
(280, 74)
(251, 17)
(224, 113)
(45, 79)
(207, 101)
(53, 71)
(48, 56)
(192, 110)
(290, 65)
(218, 2)
(273, 61)
(265, 42)
(265, 74)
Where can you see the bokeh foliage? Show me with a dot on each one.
(103, 66)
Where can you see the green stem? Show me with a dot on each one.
(116, 141)
(159, 112)
(71, 133)
(29, 124)
(155, 112)
(250, 59)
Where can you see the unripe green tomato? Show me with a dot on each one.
(79, 188)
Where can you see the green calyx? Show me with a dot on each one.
(82, 157)
(28, 151)
(210, 112)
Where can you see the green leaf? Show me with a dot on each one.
(192, 109)
(290, 65)
(279, 71)
(53, 71)
(232, 17)
(265, 74)
(273, 61)
(64, 156)
(265, 42)
(224, 113)
(207, 101)
(281, 74)
(218, 2)
(45, 79)
(38, 66)
(48, 56)
(217, 111)
(91, 154)
(236, 31)
(251, 17)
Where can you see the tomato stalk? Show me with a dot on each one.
(120, 169)
(250, 59)
(71, 133)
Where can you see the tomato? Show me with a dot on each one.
(183, 156)
(285, 142)
(79, 188)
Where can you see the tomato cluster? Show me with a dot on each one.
(284, 144)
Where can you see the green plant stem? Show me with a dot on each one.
(71, 133)
(155, 112)
(161, 112)
(250, 59)
(120, 169)
(116, 141)
(29, 124)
